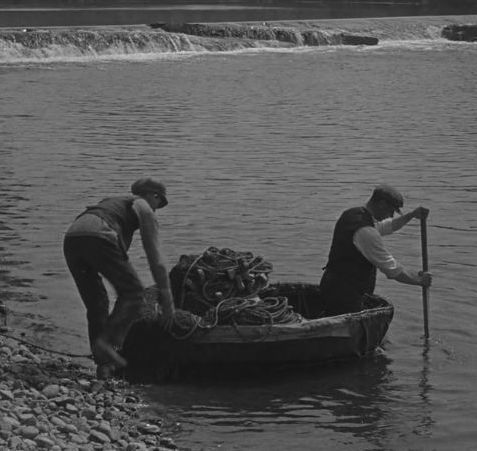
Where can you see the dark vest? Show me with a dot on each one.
(118, 213)
(344, 258)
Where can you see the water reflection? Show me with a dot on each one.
(423, 427)
(355, 399)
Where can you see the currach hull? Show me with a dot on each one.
(315, 340)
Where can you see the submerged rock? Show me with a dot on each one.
(460, 33)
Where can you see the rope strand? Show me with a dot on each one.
(42, 348)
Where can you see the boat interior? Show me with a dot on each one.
(306, 300)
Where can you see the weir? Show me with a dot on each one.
(40, 44)
(270, 32)
(181, 38)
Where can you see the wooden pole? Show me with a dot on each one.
(425, 268)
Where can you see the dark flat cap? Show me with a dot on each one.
(148, 185)
(390, 195)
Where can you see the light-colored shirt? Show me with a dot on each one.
(368, 240)
(92, 225)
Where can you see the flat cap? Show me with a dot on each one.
(146, 185)
(390, 195)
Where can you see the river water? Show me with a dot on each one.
(261, 149)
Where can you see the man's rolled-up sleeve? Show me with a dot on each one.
(369, 242)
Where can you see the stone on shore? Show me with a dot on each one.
(56, 404)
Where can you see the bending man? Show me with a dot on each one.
(357, 250)
(96, 246)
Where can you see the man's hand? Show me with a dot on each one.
(167, 307)
(425, 279)
(420, 212)
(421, 278)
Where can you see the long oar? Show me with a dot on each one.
(425, 268)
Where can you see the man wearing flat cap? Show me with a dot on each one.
(357, 250)
(96, 246)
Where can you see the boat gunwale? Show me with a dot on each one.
(332, 326)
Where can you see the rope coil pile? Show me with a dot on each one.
(200, 282)
(222, 287)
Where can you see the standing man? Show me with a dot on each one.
(96, 246)
(357, 250)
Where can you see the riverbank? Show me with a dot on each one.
(54, 403)
(62, 13)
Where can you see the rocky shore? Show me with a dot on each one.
(56, 404)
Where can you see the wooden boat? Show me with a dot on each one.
(313, 340)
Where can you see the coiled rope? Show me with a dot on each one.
(236, 312)
(202, 281)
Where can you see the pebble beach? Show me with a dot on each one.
(51, 402)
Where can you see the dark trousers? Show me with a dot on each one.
(91, 258)
(339, 295)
